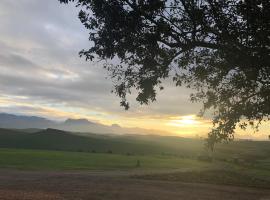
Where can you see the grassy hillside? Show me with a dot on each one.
(154, 167)
(51, 139)
(247, 150)
(238, 163)
(60, 160)
(243, 152)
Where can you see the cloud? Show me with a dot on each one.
(42, 74)
(39, 42)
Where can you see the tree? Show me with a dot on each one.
(220, 48)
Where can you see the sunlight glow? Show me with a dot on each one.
(189, 120)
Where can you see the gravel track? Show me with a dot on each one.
(42, 185)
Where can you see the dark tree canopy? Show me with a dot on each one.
(220, 48)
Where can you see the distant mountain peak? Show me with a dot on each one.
(21, 121)
(78, 121)
(8, 115)
(52, 130)
(115, 126)
(11, 121)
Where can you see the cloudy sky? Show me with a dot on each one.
(41, 74)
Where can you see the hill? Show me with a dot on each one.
(53, 139)
(24, 122)
(11, 121)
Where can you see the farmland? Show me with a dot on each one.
(147, 163)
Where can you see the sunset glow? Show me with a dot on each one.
(189, 120)
(65, 86)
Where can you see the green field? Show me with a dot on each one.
(131, 144)
(238, 163)
(60, 160)
(154, 167)
(247, 152)
(254, 154)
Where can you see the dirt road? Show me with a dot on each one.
(26, 185)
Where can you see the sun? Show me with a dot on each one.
(189, 120)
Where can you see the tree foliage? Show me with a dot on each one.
(220, 48)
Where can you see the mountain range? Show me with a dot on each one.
(11, 121)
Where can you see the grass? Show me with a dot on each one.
(58, 140)
(244, 163)
(248, 152)
(176, 168)
(60, 160)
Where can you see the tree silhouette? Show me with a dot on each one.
(219, 48)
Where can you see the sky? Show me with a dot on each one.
(41, 74)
